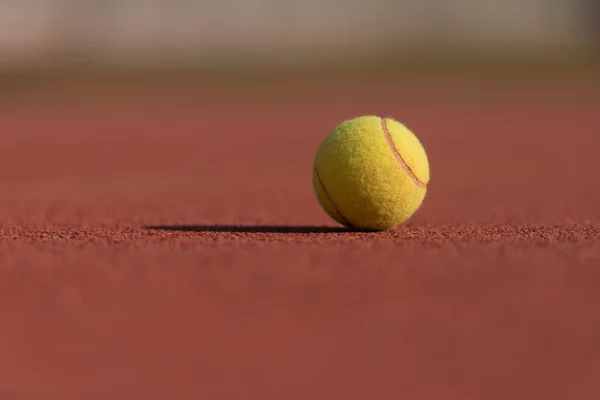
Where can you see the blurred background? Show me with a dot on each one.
(259, 35)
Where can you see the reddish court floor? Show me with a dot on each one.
(251, 292)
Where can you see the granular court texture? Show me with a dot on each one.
(174, 249)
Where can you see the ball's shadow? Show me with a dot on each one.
(250, 228)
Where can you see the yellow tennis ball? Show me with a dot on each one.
(371, 173)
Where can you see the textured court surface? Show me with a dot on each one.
(174, 249)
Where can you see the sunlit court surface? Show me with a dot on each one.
(160, 237)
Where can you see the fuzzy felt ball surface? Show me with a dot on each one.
(371, 173)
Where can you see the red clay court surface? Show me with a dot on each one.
(251, 292)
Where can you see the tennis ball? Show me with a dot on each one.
(370, 173)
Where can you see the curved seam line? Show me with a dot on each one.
(401, 161)
(331, 201)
